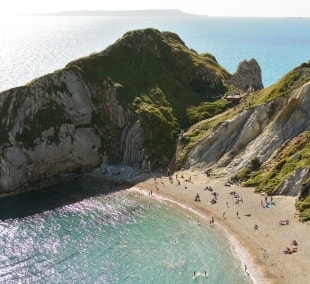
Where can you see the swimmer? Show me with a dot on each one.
(194, 277)
(205, 274)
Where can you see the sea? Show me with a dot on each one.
(90, 231)
(87, 231)
(32, 46)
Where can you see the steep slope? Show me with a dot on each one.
(126, 104)
(264, 142)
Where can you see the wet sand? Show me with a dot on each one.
(261, 249)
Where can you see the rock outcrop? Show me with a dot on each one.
(248, 76)
(129, 105)
(115, 106)
(256, 132)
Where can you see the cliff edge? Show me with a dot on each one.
(149, 101)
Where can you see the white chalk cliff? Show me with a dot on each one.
(128, 104)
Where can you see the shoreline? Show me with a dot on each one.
(237, 250)
(261, 250)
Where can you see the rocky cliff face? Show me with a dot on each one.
(254, 132)
(116, 106)
(266, 144)
(59, 125)
(128, 104)
(248, 76)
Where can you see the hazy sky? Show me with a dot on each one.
(249, 8)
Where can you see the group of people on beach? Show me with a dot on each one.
(290, 250)
(195, 188)
(267, 203)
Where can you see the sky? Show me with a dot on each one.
(232, 8)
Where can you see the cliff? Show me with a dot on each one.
(125, 104)
(263, 142)
(148, 101)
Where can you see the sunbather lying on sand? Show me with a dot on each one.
(290, 250)
(284, 222)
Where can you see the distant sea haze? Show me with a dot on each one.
(32, 46)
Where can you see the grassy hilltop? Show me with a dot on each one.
(150, 79)
(162, 81)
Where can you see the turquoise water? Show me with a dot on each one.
(34, 46)
(90, 234)
(82, 232)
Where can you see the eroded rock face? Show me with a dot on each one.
(248, 76)
(256, 133)
(51, 131)
(123, 105)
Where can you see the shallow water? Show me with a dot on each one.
(90, 234)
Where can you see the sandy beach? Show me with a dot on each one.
(236, 211)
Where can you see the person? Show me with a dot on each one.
(212, 220)
(197, 198)
(224, 215)
(246, 270)
(194, 275)
(237, 214)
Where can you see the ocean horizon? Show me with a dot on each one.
(88, 231)
(32, 46)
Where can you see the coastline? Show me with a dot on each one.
(261, 250)
(238, 251)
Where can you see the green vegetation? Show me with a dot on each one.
(8, 107)
(303, 204)
(4, 135)
(290, 82)
(294, 155)
(269, 177)
(160, 125)
(147, 59)
(200, 130)
(207, 110)
(52, 116)
(166, 84)
(170, 87)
